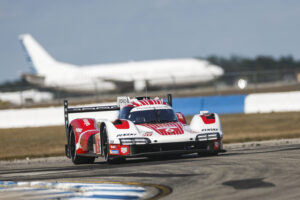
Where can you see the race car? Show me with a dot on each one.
(144, 127)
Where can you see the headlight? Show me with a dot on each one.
(212, 136)
(207, 136)
(131, 141)
(202, 137)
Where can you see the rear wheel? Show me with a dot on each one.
(76, 159)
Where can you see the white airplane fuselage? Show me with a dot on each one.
(109, 77)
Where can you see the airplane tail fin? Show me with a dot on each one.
(38, 58)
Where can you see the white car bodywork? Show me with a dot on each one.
(145, 127)
(196, 127)
(204, 128)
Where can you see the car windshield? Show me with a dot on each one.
(151, 116)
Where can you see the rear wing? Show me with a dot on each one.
(170, 100)
(68, 110)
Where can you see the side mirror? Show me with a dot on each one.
(181, 118)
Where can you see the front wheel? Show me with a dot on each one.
(210, 150)
(107, 157)
(105, 145)
(76, 159)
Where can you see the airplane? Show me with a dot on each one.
(48, 72)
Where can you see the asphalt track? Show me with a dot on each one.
(263, 170)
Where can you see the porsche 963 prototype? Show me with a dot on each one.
(144, 127)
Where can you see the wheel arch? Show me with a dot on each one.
(102, 126)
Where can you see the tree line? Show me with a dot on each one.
(259, 63)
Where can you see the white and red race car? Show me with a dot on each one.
(145, 128)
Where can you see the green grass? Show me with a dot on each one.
(4, 104)
(49, 141)
(31, 142)
(255, 127)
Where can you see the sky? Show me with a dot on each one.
(99, 31)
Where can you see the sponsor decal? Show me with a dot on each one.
(126, 134)
(124, 150)
(148, 134)
(86, 122)
(209, 129)
(78, 130)
(114, 151)
(123, 100)
(170, 130)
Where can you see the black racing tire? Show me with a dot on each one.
(76, 159)
(210, 151)
(105, 144)
(109, 159)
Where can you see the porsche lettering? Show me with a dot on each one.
(126, 134)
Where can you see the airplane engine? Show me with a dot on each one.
(140, 85)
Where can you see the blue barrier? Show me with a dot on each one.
(218, 104)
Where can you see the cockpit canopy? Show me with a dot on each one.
(150, 115)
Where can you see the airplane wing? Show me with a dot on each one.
(121, 83)
(35, 79)
(116, 80)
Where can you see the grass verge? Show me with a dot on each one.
(49, 141)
